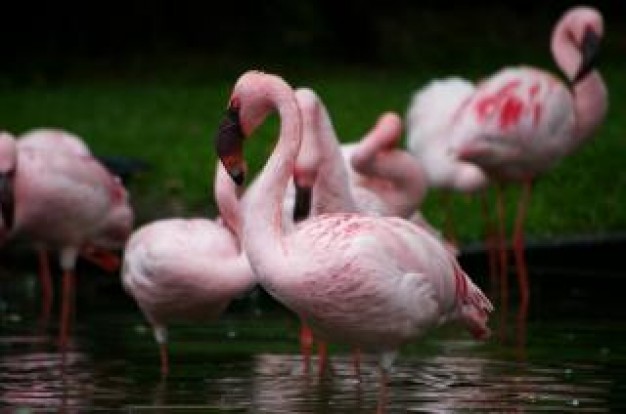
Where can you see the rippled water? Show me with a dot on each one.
(249, 362)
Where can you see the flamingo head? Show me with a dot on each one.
(8, 164)
(589, 48)
(229, 144)
(253, 99)
(576, 41)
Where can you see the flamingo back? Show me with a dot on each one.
(518, 123)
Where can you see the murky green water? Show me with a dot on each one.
(249, 361)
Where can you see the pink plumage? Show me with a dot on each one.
(519, 122)
(185, 270)
(371, 282)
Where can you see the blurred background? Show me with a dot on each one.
(150, 79)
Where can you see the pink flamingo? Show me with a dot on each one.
(370, 177)
(178, 269)
(521, 121)
(370, 282)
(61, 200)
(58, 140)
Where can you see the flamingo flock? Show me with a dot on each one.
(330, 230)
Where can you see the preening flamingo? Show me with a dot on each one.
(521, 121)
(64, 201)
(179, 269)
(58, 140)
(370, 282)
(370, 176)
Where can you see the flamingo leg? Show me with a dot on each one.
(45, 280)
(490, 243)
(66, 306)
(165, 365)
(503, 259)
(449, 231)
(68, 264)
(520, 259)
(306, 344)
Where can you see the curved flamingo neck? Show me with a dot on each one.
(262, 213)
(590, 104)
(227, 198)
(320, 148)
(590, 93)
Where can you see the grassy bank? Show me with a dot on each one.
(169, 121)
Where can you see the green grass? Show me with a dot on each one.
(168, 119)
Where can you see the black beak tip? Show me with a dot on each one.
(302, 207)
(589, 48)
(238, 176)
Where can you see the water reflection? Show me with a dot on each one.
(250, 363)
(38, 377)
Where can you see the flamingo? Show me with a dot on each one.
(370, 176)
(521, 121)
(59, 140)
(61, 200)
(188, 269)
(371, 282)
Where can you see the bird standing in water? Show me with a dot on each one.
(521, 121)
(64, 201)
(371, 282)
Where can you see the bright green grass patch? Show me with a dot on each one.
(170, 124)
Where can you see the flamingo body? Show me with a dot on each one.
(372, 282)
(179, 269)
(430, 118)
(387, 281)
(518, 123)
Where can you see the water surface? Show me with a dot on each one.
(249, 362)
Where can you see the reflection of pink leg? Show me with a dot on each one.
(356, 362)
(520, 261)
(45, 279)
(322, 363)
(382, 392)
(66, 306)
(490, 244)
(306, 344)
(502, 250)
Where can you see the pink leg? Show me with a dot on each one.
(165, 366)
(449, 232)
(502, 250)
(490, 243)
(67, 303)
(306, 344)
(520, 259)
(45, 279)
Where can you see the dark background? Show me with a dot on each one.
(43, 37)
